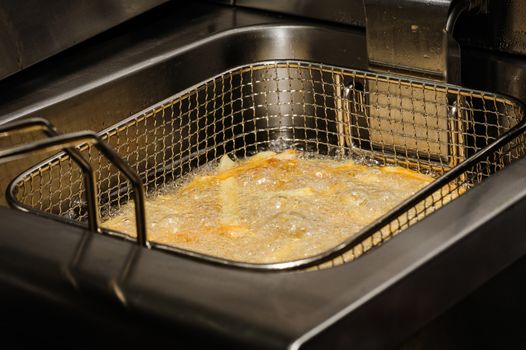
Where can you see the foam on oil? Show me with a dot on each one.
(271, 207)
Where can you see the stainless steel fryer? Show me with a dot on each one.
(461, 135)
(61, 284)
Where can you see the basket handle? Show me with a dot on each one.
(67, 143)
(40, 124)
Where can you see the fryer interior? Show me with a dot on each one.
(428, 127)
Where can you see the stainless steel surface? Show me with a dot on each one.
(373, 303)
(33, 30)
(414, 124)
(390, 291)
(410, 36)
(496, 72)
(501, 28)
(224, 2)
(493, 25)
(349, 12)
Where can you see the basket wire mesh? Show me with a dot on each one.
(462, 135)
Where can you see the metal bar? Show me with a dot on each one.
(415, 37)
(40, 124)
(73, 139)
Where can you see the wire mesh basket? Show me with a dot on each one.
(462, 135)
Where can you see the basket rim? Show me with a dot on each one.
(347, 244)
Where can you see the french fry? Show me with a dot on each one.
(229, 200)
(406, 172)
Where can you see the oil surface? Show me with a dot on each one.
(271, 207)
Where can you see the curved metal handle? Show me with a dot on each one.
(67, 143)
(40, 124)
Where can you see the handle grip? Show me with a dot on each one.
(67, 143)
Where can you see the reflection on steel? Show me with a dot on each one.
(416, 36)
(409, 35)
(349, 12)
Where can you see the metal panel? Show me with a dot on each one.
(499, 26)
(33, 30)
(339, 11)
(502, 28)
(408, 35)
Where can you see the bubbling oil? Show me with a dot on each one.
(271, 207)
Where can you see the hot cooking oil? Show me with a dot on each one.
(271, 207)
